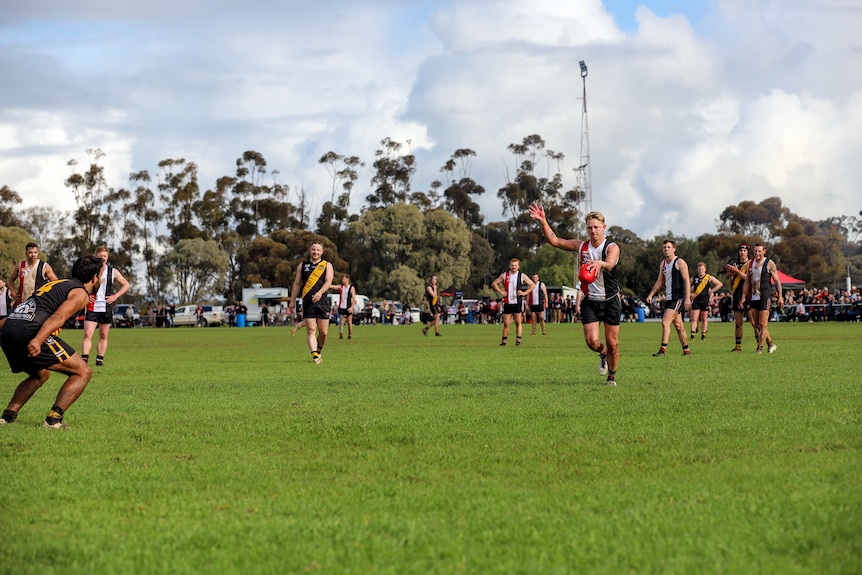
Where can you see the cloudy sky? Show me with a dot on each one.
(693, 105)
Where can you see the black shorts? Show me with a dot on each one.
(736, 304)
(701, 304)
(674, 304)
(54, 350)
(100, 317)
(511, 308)
(607, 311)
(316, 310)
(760, 304)
(539, 308)
(345, 311)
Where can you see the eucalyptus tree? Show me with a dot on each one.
(458, 195)
(144, 206)
(197, 267)
(179, 192)
(92, 222)
(393, 174)
(334, 216)
(9, 198)
(250, 169)
(401, 237)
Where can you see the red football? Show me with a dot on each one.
(587, 275)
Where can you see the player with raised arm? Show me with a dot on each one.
(602, 303)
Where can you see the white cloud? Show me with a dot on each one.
(758, 98)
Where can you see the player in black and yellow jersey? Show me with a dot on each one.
(432, 300)
(29, 337)
(313, 282)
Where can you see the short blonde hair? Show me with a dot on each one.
(595, 216)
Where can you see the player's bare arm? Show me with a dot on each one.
(76, 300)
(294, 291)
(530, 285)
(686, 281)
(612, 258)
(537, 212)
(327, 285)
(124, 287)
(656, 287)
(49, 272)
(773, 271)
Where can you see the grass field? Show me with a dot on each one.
(227, 451)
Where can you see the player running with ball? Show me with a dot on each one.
(602, 303)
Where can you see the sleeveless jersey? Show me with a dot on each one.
(702, 296)
(432, 300)
(26, 319)
(536, 294)
(606, 285)
(759, 281)
(673, 287)
(30, 280)
(345, 297)
(98, 303)
(313, 276)
(512, 283)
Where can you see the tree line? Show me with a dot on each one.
(181, 243)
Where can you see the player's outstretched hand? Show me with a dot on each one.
(537, 212)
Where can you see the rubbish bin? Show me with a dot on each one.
(240, 320)
(640, 311)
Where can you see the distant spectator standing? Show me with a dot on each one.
(30, 274)
(703, 286)
(673, 275)
(100, 311)
(513, 295)
(264, 315)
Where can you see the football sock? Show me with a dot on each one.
(85, 357)
(9, 416)
(518, 341)
(315, 354)
(55, 415)
(612, 375)
(505, 339)
(738, 342)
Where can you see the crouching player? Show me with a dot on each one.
(29, 340)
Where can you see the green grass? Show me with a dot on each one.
(228, 451)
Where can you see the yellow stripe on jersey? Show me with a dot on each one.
(319, 270)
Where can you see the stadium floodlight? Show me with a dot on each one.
(583, 68)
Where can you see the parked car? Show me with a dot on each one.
(126, 315)
(212, 315)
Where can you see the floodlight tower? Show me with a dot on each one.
(585, 185)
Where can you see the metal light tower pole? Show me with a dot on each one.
(585, 184)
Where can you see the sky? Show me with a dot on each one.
(692, 105)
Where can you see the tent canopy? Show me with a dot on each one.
(788, 282)
(451, 291)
